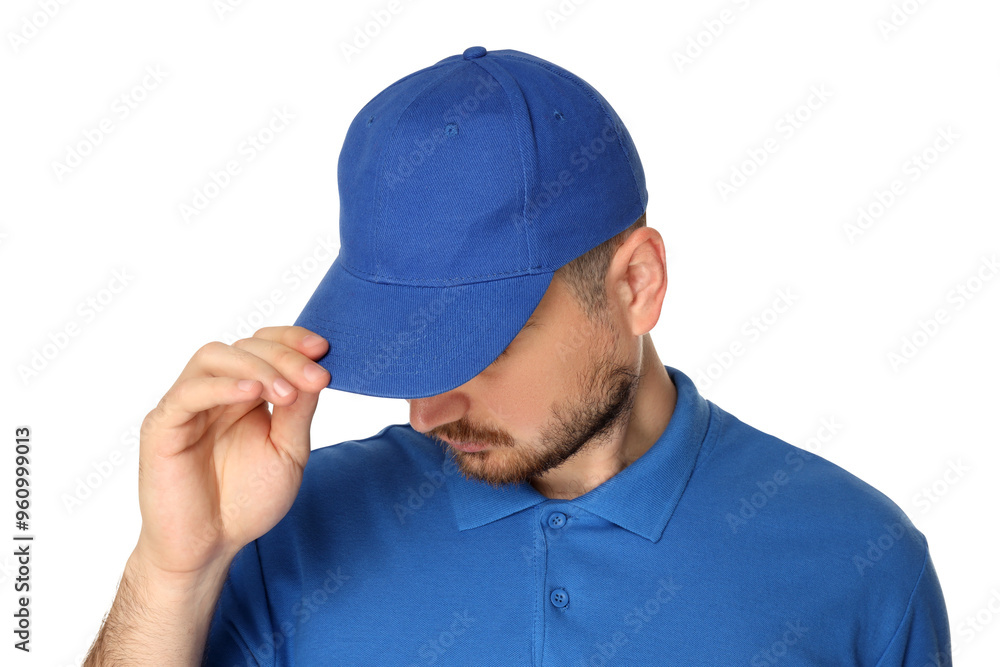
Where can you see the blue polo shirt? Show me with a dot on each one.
(721, 545)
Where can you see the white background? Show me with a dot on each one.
(891, 87)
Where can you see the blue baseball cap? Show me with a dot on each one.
(463, 187)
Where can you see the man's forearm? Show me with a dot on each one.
(157, 619)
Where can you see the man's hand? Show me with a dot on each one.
(216, 471)
(216, 468)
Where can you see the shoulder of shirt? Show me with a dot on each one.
(372, 467)
(822, 522)
(392, 439)
(821, 501)
(356, 483)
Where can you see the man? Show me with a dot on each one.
(559, 496)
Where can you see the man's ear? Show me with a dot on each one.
(637, 279)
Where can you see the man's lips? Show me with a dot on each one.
(467, 446)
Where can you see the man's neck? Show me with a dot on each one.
(655, 399)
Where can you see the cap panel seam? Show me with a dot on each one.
(573, 79)
(533, 262)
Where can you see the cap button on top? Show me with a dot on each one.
(474, 52)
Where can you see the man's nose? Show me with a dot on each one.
(431, 412)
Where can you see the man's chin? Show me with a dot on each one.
(484, 467)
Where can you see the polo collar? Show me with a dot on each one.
(641, 498)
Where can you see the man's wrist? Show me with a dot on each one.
(161, 590)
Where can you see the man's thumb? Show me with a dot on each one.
(290, 425)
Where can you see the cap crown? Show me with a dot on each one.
(483, 166)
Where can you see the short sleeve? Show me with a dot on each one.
(240, 633)
(923, 636)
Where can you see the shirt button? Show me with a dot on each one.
(557, 520)
(559, 597)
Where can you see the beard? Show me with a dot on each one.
(601, 406)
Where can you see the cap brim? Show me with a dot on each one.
(402, 341)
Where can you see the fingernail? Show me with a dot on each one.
(313, 372)
(245, 385)
(312, 339)
(282, 388)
